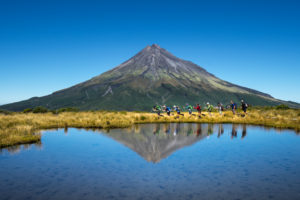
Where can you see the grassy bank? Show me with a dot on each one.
(21, 128)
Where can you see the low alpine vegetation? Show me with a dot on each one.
(24, 127)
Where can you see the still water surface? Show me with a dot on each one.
(155, 161)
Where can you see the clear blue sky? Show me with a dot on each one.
(50, 45)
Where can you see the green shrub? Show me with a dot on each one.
(67, 110)
(267, 108)
(40, 109)
(282, 107)
(261, 108)
(54, 112)
(27, 110)
(138, 111)
(142, 117)
(102, 111)
(5, 112)
(123, 112)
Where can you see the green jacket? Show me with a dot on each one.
(189, 107)
(158, 108)
(210, 107)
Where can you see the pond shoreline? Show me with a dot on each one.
(21, 128)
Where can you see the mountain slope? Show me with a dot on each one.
(152, 76)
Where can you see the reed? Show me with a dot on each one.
(21, 128)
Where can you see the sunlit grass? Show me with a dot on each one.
(20, 128)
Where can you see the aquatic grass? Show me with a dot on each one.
(20, 128)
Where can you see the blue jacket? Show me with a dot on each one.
(233, 106)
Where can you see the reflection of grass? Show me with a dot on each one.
(18, 128)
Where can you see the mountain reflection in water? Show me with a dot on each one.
(153, 142)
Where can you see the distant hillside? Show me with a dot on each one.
(153, 76)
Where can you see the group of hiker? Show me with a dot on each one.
(233, 106)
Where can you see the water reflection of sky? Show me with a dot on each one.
(179, 161)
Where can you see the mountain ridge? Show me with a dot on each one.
(152, 76)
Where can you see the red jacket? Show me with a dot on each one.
(197, 108)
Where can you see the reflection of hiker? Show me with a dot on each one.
(167, 129)
(244, 106)
(176, 130)
(233, 107)
(209, 108)
(220, 130)
(167, 109)
(244, 131)
(176, 108)
(190, 129)
(220, 108)
(157, 129)
(199, 130)
(198, 108)
(190, 108)
(234, 131)
(210, 129)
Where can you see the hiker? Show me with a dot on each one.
(220, 108)
(167, 109)
(178, 110)
(157, 109)
(209, 108)
(233, 106)
(244, 106)
(198, 108)
(190, 108)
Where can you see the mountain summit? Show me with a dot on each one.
(152, 76)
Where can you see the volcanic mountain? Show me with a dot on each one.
(153, 76)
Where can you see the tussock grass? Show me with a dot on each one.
(21, 128)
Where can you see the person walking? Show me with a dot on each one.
(189, 108)
(178, 111)
(209, 108)
(233, 107)
(167, 109)
(220, 108)
(198, 108)
(244, 106)
(157, 109)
